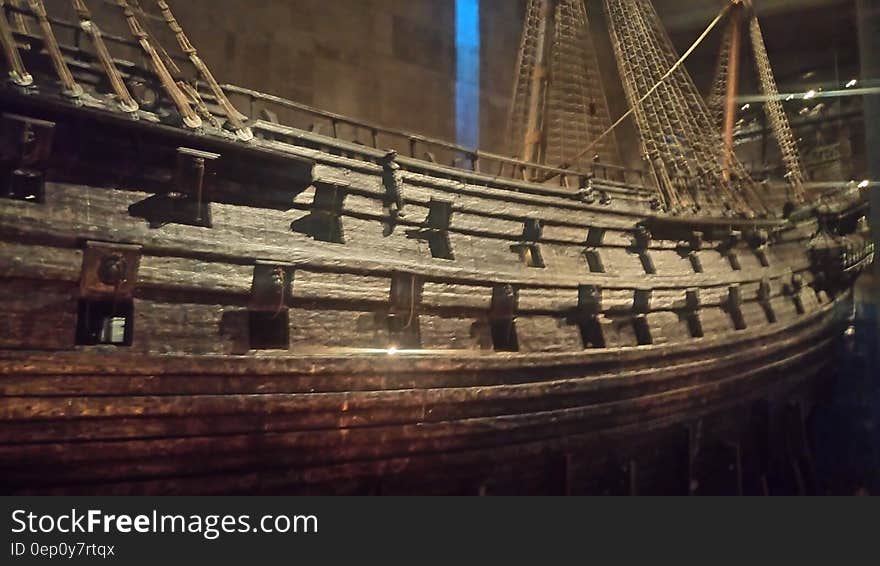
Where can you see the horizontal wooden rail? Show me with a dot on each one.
(508, 166)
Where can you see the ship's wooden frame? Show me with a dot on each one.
(314, 315)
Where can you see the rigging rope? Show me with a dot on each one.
(236, 119)
(124, 98)
(17, 72)
(71, 87)
(190, 118)
(659, 83)
(776, 113)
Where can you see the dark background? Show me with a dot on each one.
(393, 62)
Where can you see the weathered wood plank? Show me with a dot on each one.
(100, 214)
(299, 448)
(37, 315)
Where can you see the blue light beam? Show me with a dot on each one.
(467, 83)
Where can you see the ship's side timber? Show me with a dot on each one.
(226, 419)
(129, 423)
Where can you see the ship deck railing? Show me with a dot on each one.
(417, 146)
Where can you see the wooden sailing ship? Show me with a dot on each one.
(196, 301)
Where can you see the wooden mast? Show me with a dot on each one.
(533, 145)
(736, 16)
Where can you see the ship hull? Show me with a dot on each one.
(617, 422)
(309, 315)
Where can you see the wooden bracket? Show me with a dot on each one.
(733, 238)
(642, 301)
(696, 262)
(764, 299)
(795, 289)
(594, 261)
(595, 237)
(758, 238)
(533, 230)
(589, 299)
(109, 270)
(272, 286)
(641, 308)
(25, 149)
(502, 317)
(435, 229)
(529, 250)
(693, 302)
(734, 306)
(325, 220)
(188, 200)
(641, 238)
(193, 183)
(107, 283)
(733, 259)
(643, 330)
(268, 310)
(439, 214)
(688, 248)
(763, 258)
(692, 299)
(587, 316)
(403, 312)
(641, 242)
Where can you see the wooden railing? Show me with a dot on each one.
(424, 147)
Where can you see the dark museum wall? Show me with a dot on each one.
(392, 62)
(405, 63)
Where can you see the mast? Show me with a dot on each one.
(742, 12)
(535, 139)
(733, 56)
(672, 117)
(559, 103)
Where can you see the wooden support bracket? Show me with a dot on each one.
(403, 311)
(435, 229)
(25, 150)
(529, 250)
(107, 283)
(502, 318)
(188, 200)
(268, 310)
(587, 316)
(764, 299)
(734, 307)
(272, 286)
(692, 312)
(109, 270)
(324, 222)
